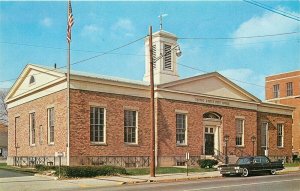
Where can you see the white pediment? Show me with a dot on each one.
(33, 78)
(212, 84)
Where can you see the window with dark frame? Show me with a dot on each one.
(32, 128)
(289, 89)
(97, 124)
(239, 124)
(51, 125)
(130, 126)
(180, 129)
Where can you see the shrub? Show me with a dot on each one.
(207, 163)
(40, 167)
(297, 160)
(90, 171)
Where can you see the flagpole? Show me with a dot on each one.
(68, 107)
(68, 88)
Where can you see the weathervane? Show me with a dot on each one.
(160, 18)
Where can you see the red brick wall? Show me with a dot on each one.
(273, 120)
(80, 125)
(39, 106)
(167, 127)
(282, 79)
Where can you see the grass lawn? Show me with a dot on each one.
(20, 169)
(166, 170)
(292, 164)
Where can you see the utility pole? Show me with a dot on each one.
(152, 152)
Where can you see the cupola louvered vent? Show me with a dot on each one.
(154, 55)
(167, 57)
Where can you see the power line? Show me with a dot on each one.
(273, 10)
(84, 60)
(203, 71)
(287, 13)
(241, 37)
(59, 48)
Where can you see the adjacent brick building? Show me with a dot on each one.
(285, 89)
(109, 117)
(3, 140)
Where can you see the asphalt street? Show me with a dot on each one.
(16, 181)
(287, 182)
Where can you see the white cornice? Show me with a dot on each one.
(44, 87)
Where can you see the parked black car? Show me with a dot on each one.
(248, 165)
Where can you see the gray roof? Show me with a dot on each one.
(93, 75)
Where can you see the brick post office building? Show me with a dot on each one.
(285, 89)
(109, 117)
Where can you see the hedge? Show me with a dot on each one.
(207, 163)
(84, 171)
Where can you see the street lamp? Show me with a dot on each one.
(226, 139)
(253, 139)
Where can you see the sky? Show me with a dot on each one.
(35, 32)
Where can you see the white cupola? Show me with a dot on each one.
(165, 48)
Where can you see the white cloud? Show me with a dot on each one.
(91, 31)
(268, 23)
(47, 22)
(247, 79)
(124, 26)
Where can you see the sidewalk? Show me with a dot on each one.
(119, 180)
(39, 183)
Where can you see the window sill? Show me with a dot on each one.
(98, 144)
(280, 147)
(182, 145)
(132, 144)
(240, 146)
(33, 145)
(50, 144)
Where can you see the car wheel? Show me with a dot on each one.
(245, 172)
(273, 172)
(225, 175)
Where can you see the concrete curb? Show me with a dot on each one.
(171, 179)
(46, 176)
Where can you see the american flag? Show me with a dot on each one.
(70, 22)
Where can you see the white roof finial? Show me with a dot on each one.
(160, 18)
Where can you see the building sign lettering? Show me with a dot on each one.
(211, 101)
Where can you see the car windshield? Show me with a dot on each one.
(243, 161)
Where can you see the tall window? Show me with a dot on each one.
(130, 126)
(239, 125)
(51, 125)
(263, 132)
(181, 129)
(276, 91)
(280, 135)
(167, 57)
(97, 125)
(32, 128)
(289, 89)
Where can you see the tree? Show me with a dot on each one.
(3, 107)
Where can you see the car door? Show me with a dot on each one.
(265, 164)
(257, 166)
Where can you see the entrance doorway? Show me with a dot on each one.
(209, 144)
(212, 123)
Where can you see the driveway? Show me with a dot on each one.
(9, 173)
